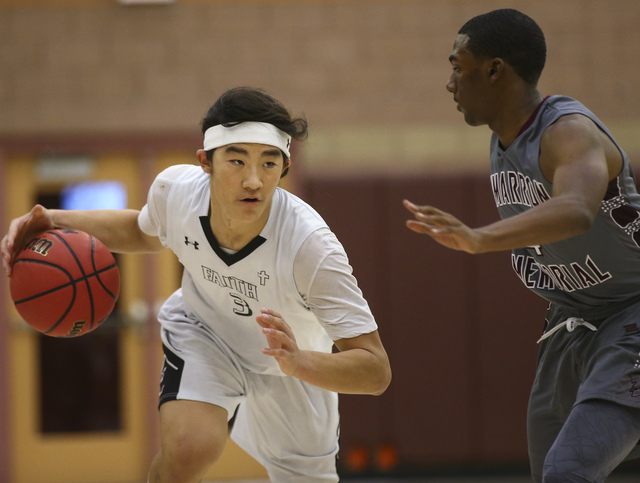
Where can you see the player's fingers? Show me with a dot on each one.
(420, 227)
(18, 242)
(6, 255)
(276, 335)
(410, 206)
(38, 211)
(263, 320)
(21, 231)
(424, 209)
(428, 228)
(417, 226)
(273, 313)
(277, 353)
(415, 209)
(14, 228)
(267, 321)
(274, 319)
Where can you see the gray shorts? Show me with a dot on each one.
(581, 365)
(287, 425)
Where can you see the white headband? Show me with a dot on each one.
(247, 132)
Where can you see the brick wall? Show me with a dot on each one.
(351, 66)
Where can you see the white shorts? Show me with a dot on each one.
(287, 425)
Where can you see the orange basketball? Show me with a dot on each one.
(65, 283)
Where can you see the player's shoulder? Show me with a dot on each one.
(572, 121)
(179, 171)
(559, 107)
(292, 203)
(187, 175)
(323, 242)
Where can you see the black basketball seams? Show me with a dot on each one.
(72, 284)
(86, 281)
(98, 272)
(72, 281)
(40, 294)
(66, 260)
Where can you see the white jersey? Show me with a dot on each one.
(295, 266)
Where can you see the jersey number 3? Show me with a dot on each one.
(241, 306)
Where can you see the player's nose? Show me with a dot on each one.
(252, 180)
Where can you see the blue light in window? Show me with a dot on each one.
(94, 195)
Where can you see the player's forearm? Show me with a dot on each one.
(552, 221)
(354, 371)
(117, 229)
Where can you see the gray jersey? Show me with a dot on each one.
(591, 273)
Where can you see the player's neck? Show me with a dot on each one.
(515, 115)
(234, 234)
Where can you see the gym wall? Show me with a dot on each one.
(129, 84)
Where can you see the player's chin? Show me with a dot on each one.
(471, 120)
(250, 214)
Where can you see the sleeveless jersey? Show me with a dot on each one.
(225, 292)
(591, 273)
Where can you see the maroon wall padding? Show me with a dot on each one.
(460, 329)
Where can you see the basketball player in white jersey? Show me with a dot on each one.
(267, 291)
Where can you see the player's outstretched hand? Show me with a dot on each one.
(21, 231)
(282, 342)
(442, 227)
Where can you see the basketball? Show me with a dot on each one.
(65, 283)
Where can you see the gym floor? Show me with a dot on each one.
(622, 478)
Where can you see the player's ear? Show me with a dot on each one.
(496, 67)
(205, 164)
(285, 167)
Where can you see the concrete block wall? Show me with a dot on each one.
(352, 66)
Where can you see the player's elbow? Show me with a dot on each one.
(582, 220)
(382, 380)
(577, 214)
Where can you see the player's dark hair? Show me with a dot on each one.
(512, 36)
(243, 104)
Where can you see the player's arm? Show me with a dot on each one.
(326, 283)
(573, 157)
(361, 366)
(117, 229)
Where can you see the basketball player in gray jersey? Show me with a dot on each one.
(571, 217)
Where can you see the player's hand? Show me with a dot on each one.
(282, 342)
(21, 231)
(442, 227)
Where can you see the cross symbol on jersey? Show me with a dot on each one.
(264, 276)
(194, 243)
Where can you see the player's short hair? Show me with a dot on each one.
(512, 36)
(242, 104)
